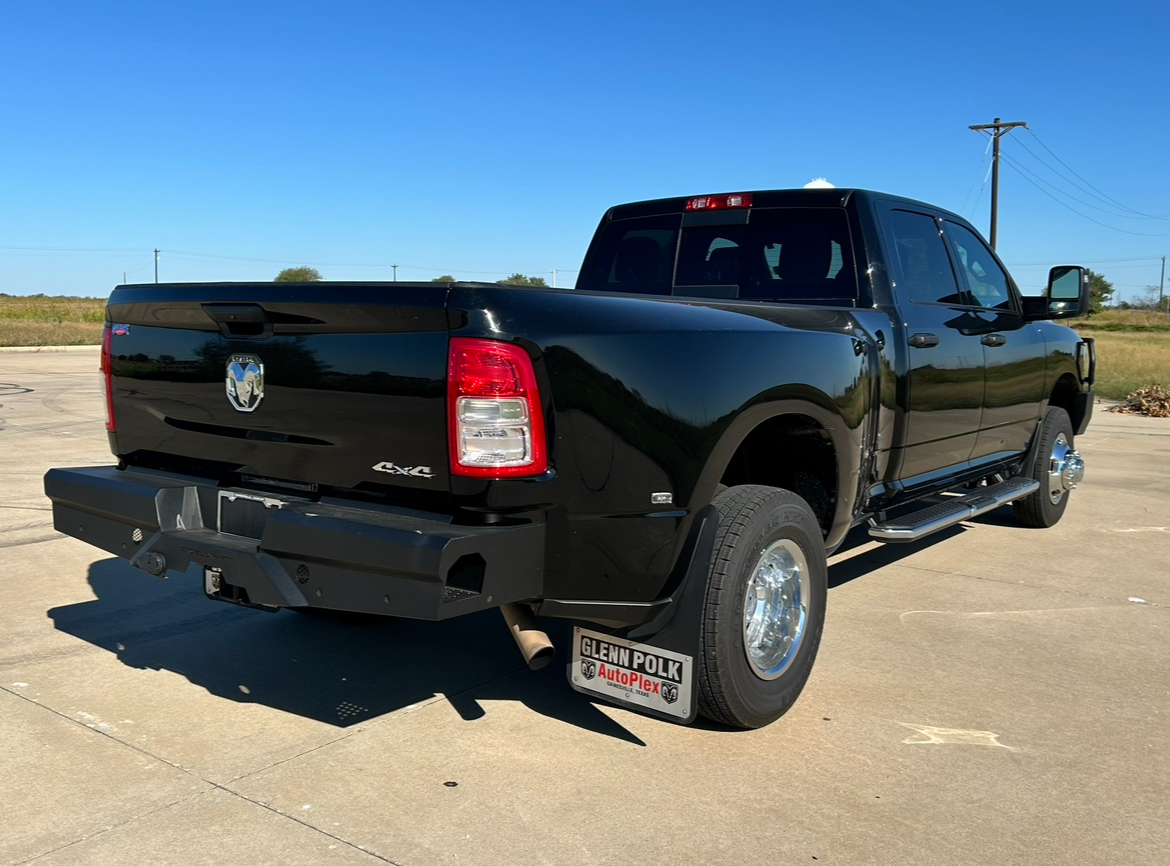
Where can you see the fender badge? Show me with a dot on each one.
(411, 471)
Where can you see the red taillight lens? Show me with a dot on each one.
(108, 376)
(496, 422)
(720, 202)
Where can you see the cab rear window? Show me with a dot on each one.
(801, 255)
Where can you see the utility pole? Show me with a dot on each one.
(1162, 287)
(998, 130)
(554, 273)
(395, 272)
(156, 252)
(124, 277)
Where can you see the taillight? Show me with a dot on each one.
(720, 202)
(496, 422)
(107, 376)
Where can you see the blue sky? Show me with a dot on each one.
(480, 139)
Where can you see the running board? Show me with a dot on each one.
(913, 526)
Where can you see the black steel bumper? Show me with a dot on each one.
(328, 554)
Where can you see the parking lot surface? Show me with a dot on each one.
(991, 695)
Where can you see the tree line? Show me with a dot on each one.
(305, 274)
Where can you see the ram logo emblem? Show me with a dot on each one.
(245, 382)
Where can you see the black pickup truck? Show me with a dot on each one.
(664, 455)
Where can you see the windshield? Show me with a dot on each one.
(784, 254)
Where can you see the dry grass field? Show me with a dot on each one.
(1127, 361)
(1133, 350)
(44, 321)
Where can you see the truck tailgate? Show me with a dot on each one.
(330, 384)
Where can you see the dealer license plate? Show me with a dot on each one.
(625, 672)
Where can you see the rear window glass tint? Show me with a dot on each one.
(633, 255)
(784, 254)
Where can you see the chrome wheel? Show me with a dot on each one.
(1066, 469)
(775, 609)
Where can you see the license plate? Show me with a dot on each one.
(629, 673)
(244, 514)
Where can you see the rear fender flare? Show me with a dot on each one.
(846, 446)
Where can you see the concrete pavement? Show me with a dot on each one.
(990, 695)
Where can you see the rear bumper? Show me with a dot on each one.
(328, 554)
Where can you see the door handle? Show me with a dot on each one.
(994, 340)
(923, 341)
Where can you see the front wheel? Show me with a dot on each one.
(765, 606)
(1058, 468)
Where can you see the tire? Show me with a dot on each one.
(1046, 506)
(761, 530)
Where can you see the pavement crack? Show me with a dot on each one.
(306, 824)
(117, 826)
(389, 719)
(1120, 601)
(198, 776)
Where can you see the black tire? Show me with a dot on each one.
(752, 518)
(1038, 509)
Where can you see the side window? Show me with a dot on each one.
(986, 282)
(924, 274)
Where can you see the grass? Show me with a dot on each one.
(1124, 320)
(1128, 361)
(51, 321)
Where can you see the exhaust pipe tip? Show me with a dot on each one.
(541, 657)
(534, 644)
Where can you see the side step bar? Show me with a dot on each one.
(917, 524)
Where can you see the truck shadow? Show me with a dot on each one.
(859, 554)
(342, 674)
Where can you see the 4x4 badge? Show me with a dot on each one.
(245, 382)
(412, 471)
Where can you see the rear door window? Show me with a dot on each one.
(923, 268)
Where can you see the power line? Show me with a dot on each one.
(1095, 261)
(971, 189)
(79, 249)
(250, 259)
(1086, 216)
(1107, 197)
(1059, 191)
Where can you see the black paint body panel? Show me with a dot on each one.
(641, 395)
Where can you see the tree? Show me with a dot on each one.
(1100, 292)
(446, 278)
(522, 280)
(303, 274)
(1146, 300)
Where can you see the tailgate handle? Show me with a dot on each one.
(240, 320)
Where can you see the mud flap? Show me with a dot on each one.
(652, 668)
